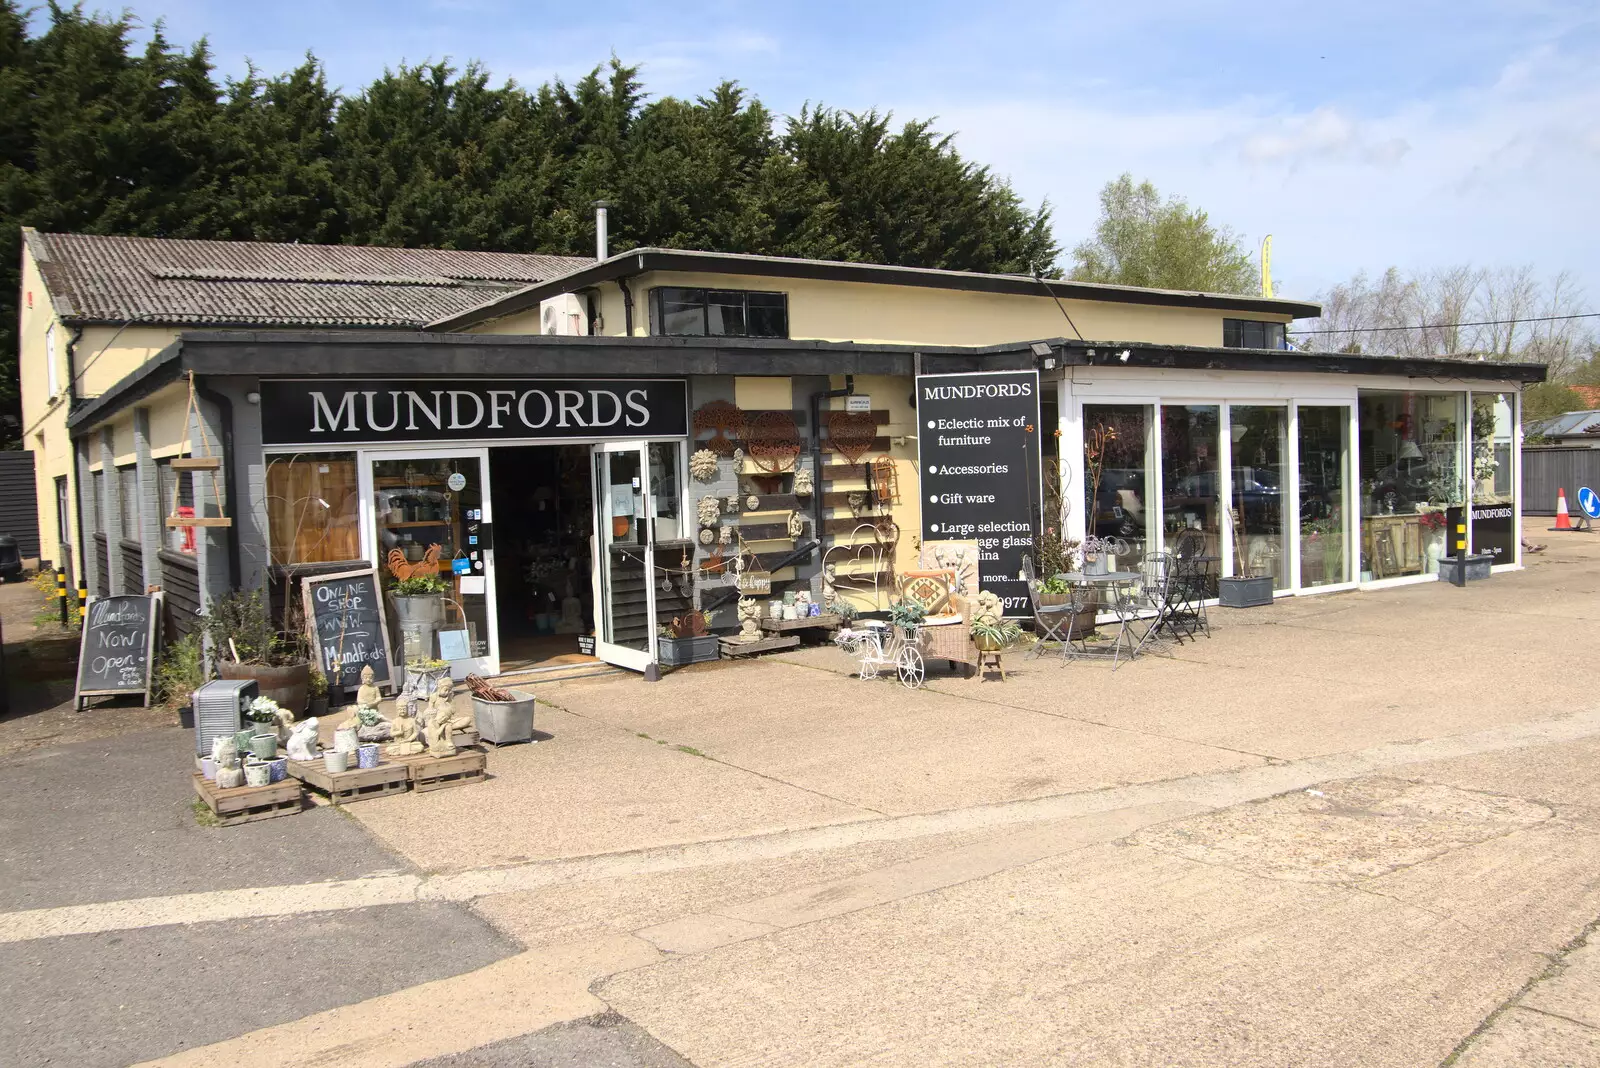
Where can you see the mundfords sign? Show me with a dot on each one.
(334, 411)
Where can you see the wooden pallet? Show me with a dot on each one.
(246, 804)
(825, 621)
(440, 773)
(357, 784)
(765, 645)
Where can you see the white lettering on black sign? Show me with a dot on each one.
(308, 411)
(978, 457)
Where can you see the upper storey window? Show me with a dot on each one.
(1251, 334)
(677, 312)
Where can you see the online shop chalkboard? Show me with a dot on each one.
(348, 629)
(978, 447)
(118, 650)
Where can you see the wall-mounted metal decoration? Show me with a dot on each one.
(773, 441)
(714, 563)
(725, 420)
(885, 482)
(850, 434)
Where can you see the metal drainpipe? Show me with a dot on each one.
(230, 490)
(817, 508)
(627, 307)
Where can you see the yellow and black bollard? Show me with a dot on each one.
(83, 597)
(61, 592)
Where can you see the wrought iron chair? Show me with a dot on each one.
(1051, 623)
(1191, 586)
(1153, 599)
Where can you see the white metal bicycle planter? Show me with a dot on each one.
(880, 646)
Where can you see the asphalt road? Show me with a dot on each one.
(604, 1041)
(111, 819)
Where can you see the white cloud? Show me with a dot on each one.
(1497, 173)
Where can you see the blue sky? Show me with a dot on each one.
(1361, 135)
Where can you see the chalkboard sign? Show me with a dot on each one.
(978, 447)
(348, 630)
(118, 651)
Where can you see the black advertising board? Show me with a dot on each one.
(1494, 531)
(348, 628)
(341, 411)
(978, 458)
(118, 650)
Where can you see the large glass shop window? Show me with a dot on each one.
(1191, 483)
(1324, 459)
(1260, 489)
(1118, 482)
(1413, 480)
(313, 509)
(425, 514)
(1494, 504)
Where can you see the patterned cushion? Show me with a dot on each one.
(930, 589)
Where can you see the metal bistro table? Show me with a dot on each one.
(1116, 582)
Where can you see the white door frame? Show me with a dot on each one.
(482, 665)
(633, 659)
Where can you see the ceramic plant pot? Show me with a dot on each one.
(278, 769)
(208, 768)
(335, 761)
(367, 756)
(264, 746)
(257, 773)
(242, 739)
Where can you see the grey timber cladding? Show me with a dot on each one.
(19, 512)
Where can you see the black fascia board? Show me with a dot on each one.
(644, 260)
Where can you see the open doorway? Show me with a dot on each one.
(544, 519)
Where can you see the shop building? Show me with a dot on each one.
(542, 449)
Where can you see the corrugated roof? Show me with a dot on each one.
(1568, 424)
(107, 279)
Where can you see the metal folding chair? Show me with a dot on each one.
(1154, 595)
(1051, 623)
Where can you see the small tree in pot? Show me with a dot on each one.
(246, 645)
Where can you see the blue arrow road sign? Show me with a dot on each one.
(1589, 501)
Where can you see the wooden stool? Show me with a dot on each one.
(987, 659)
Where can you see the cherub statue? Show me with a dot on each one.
(749, 620)
(367, 694)
(303, 740)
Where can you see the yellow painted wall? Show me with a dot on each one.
(911, 315)
(103, 356)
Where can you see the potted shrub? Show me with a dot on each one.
(908, 616)
(248, 646)
(317, 689)
(687, 640)
(1247, 589)
(418, 599)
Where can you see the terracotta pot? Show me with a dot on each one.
(286, 685)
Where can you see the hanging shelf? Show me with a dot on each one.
(192, 464)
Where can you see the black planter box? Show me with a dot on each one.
(1244, 592)
(1460, 570)
(676, 652)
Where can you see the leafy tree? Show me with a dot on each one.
(98, 137)
(1143, 240)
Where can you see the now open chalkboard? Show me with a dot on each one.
(118, 651)
(348, 629)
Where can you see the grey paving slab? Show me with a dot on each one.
(604, 1041)
(112, 818)
(107, 1000)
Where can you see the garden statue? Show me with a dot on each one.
(749, 620)
(372, 725)
(285, 724)
(303, 740)
(368, 695)
(802, 482)
(441, 725)
(406, 736)
(229, 773)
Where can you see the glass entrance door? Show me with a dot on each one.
(432, 526)
(625, 595)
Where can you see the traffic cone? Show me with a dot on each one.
(1563, 520)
